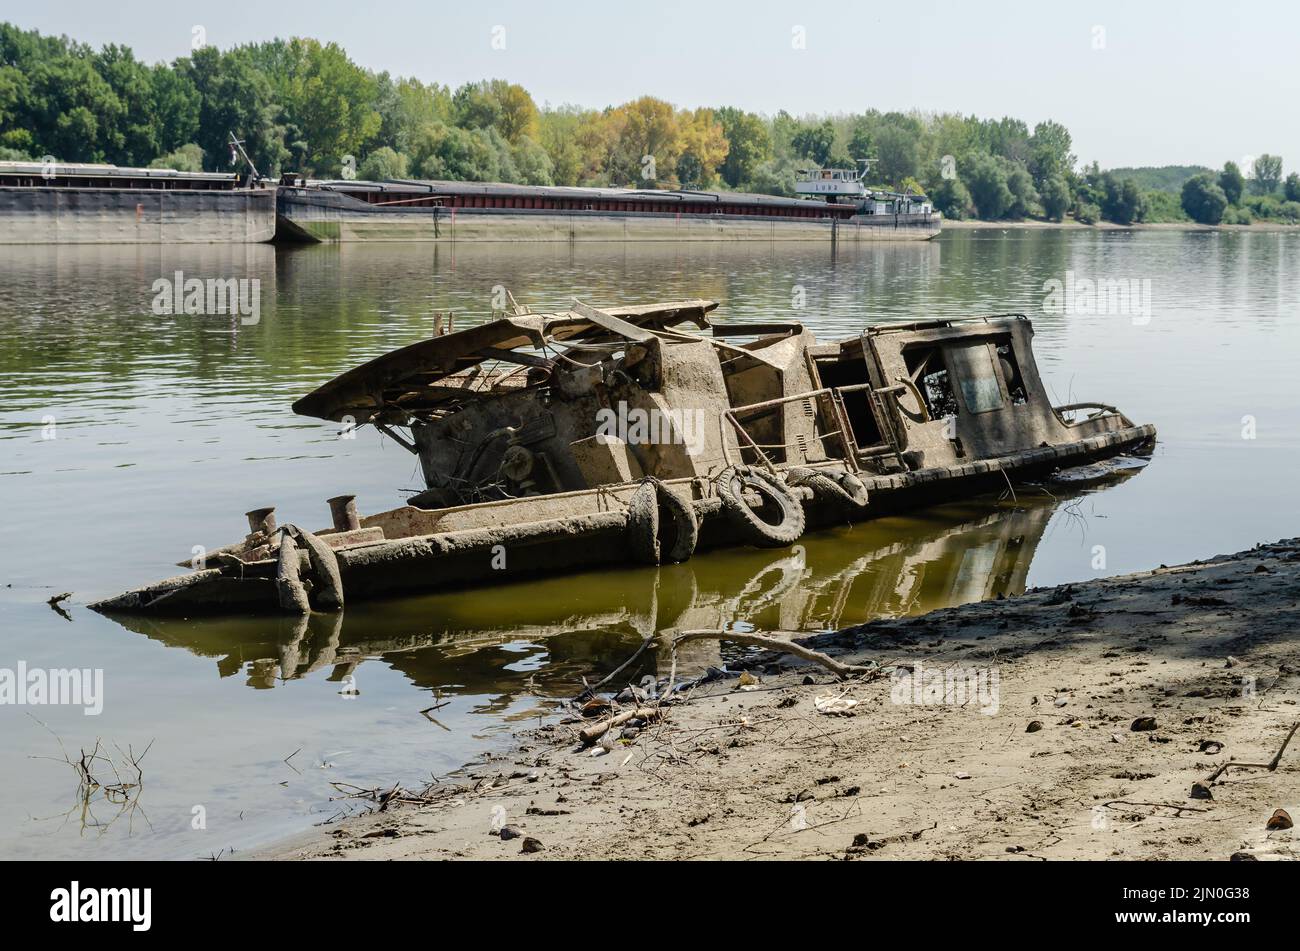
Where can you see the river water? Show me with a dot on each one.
(127, 437)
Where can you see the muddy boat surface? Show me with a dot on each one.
(554, 442)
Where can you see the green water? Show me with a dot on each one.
(166, 428)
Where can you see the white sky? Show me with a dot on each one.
(1174, 83)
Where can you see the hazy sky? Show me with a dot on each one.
(1137, 83)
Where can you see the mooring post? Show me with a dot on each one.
(343, 509)
(261, 521)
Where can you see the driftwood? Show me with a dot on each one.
(590, 734)
(843, 671)
(1271, 765)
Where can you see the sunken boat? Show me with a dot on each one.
(643, 435)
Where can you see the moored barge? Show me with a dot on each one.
(66, 203)
(409, 210)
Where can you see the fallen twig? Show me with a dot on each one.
(590, 734)
(843, 671)
(1271, 765)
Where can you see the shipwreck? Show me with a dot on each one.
(625, 435)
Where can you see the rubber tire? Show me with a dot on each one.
(734, 480)
(661, 526)
(836, 486)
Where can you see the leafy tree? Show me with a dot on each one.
(174, 103)
(648, 141)
(559, 137)
(188, 158)
(703, 148)
(1162, 206)
(325, 97)
(1232, 182)
(1291, 187)
(749, 145)
(1121, 200)
(1055, 196)
(383, 163)
(951, 197)
(1087, 213)
(1268, 174)
(1024, 197)
(132, 138)
(532, 162)
(235, 97)
(986, 179)
(860, 143)
(1049, 153)
(896, 154)
(775, 177)
(814, 142)
(1204, 200)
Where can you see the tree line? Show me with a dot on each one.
(305, 106)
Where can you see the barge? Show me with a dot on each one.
(643, 435)
(61, 203)
(409, 210)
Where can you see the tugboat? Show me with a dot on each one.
(896, 214)
(555, 442)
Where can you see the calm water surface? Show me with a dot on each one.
(166, 429)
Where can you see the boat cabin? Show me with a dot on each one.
(535, 404)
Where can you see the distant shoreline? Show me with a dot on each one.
(971, 224)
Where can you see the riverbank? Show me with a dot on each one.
(1069, 224)
(1088, 714)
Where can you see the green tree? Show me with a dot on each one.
(749, 145)
(1049, 152)
(235, 97)
(188, 158)
(1024, 197)
(532, 162)
(175, 105)
(325, 97)
(814, 142)
(132, 137)
(1204, 200)
(1267, 175)
(951, 197)
(1291, 187)
(1232, 182)
(1121, 201)
(986, 179)
(383, 163)
(1055, 196)
(897, 153)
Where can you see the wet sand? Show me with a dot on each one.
(925, 768)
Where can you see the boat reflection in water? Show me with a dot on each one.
(542, 636)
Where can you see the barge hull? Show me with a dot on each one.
(324, 216)
(63, 215)
(456, 559)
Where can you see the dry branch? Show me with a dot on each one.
(590, 734)
(843, 671)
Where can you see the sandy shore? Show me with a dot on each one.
(1085, 717)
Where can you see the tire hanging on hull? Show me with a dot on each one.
(831, 486)
(661, 526)
(776, 522)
